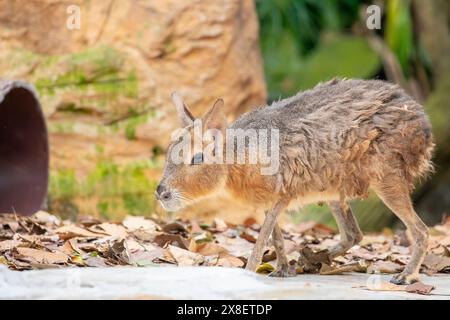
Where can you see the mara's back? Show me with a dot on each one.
(346, 135)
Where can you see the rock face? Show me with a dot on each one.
(105, 86)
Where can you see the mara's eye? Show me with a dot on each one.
(197, 158)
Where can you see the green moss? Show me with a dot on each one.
(63, 184)
(61, 127)
(79, 69)
(132, 123)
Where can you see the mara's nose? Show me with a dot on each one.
(162, 193)
(160, 189)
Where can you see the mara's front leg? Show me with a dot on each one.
(266, 229)
(283, 268)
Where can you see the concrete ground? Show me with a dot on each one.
(196, 283)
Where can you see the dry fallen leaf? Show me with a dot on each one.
(111, 229)
(44, 241)
(41, 256)
(311, 261)
(220, 225)
(248, 237)
(145, 258)
(118, 250)
(184, 257)
(174, 227)
(96, 261)
(330, 270)
(435, 263)
(70, 231)
(419, 288)
(384, 267)
(227, 260)
(134, 223)
(45, 217)
(9, 244)
(265, 268)
(206, 248)
(167, 238)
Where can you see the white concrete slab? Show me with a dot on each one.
(195, 283)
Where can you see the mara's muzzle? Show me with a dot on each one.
(24, 153)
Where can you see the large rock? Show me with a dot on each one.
(105, 88)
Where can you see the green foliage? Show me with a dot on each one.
(338, 55)
(304, 42)
(399, 31)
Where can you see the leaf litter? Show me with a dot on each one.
(45, 241)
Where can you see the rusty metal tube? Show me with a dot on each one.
(24, 152)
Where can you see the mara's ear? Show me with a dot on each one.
(215, 117)
(185, 116)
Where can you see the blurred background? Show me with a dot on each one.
(104, 71)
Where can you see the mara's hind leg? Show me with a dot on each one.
(347, 225)
(394, 192)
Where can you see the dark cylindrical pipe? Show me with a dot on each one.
(24, 153)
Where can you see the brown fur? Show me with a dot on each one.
(337, 140)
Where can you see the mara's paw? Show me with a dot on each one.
(284, 272)
(404, 278)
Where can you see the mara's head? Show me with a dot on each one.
(193, 168)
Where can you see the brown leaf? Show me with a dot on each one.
(87, 221)
(74, 245)
(252, 224)
(9, 244)
(330, 270)
(365, 254)
(134, 223)
(228, 260)
(269, 255)
(174, 227)
(46, 218)
(167, 238)
(70, 231)
(311, 261)
(248, 237)
(435, 263)
(41, 256)
(206, 248)
(249, 222)
(185, 257)
(144, 258)
(419, 288)
(98, 262)
(118, 252)
(111, 229)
